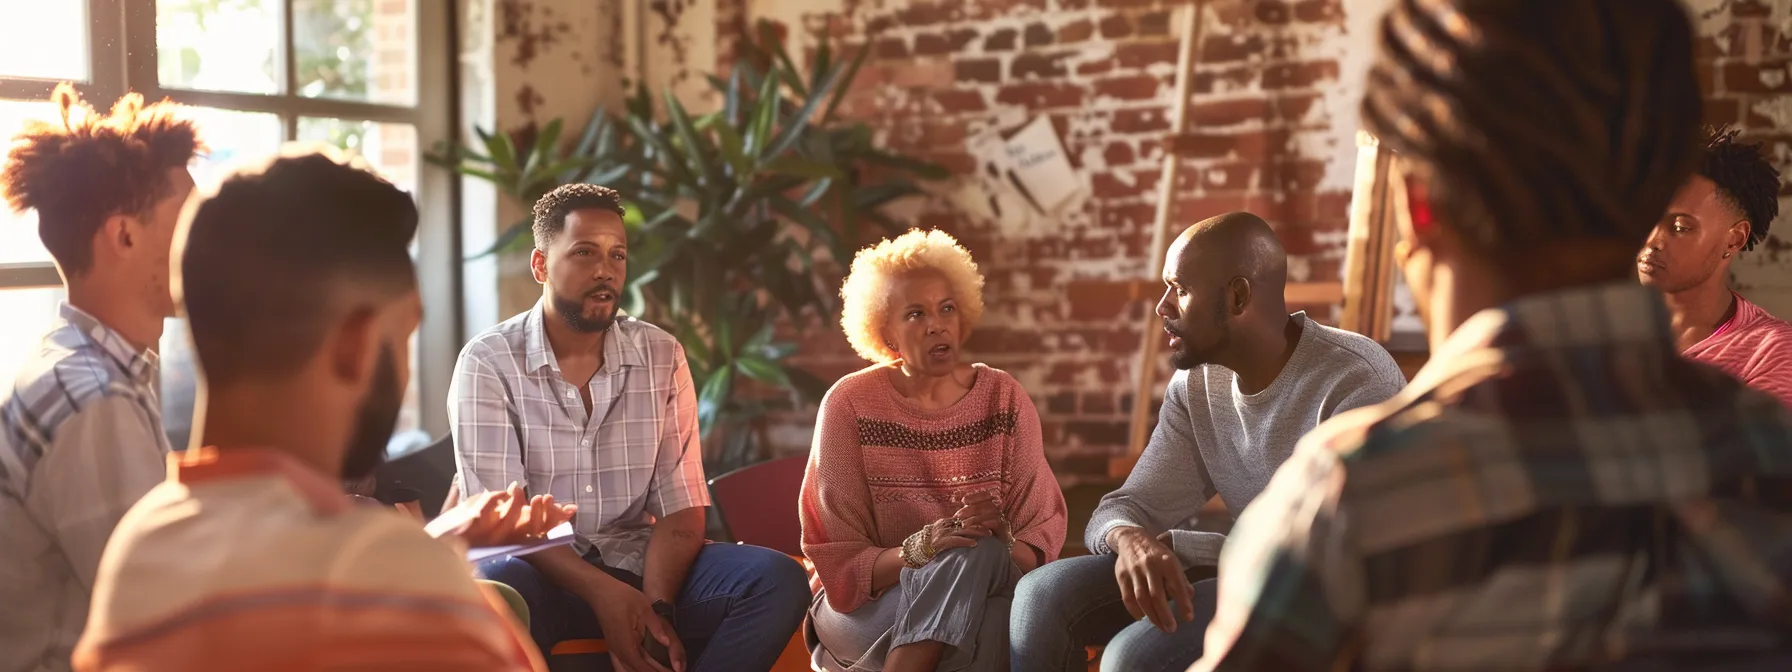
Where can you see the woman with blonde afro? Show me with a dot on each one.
(927, 494)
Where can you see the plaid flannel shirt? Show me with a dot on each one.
(633, 459)
(1556, 488)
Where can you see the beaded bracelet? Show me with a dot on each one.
(917, 549)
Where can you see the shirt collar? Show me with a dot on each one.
(199, 465)
(1590, 316)
(620, 348)
(141, 364)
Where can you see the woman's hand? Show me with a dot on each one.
(982, 509)
(954, 533)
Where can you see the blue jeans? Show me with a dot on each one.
(742, 602)
(1065, 606)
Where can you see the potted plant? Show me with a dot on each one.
(733, 218)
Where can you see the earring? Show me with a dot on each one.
(1726, 255)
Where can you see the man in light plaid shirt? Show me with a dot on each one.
(573, 400)
(1557, 488)
(81, 435)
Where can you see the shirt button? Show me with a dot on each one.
(587, 488)
(586, 443)
(571, 394)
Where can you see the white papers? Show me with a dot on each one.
(561, 535)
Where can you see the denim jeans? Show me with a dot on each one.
(741, 602)
(1065, 606)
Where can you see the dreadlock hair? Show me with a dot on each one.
(84, 167)
(1745, 179)
(1535, 122)
(552, 209)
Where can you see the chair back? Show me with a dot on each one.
(424, 474)
(758, 504)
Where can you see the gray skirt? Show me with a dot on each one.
(960, 600)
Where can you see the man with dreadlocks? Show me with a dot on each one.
(1557, 488)
(1718, 213)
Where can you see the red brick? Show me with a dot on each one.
(1118, 154)
(1131, 87)
(1249, 145)
(1001, 40)
(1154, 24)
(1098, 67)
(1272, 12)
(933, 44)
(1041, 95)
(979, 70)
(1075, 31)
(1142, 54)
(1222, 81)
(1062, 402)
(957, 101)
(1038, 34)
(1099, 433)
(1229, 112)
(1116, 26)
(1769, 77)
(1038, 65)
(1295, 108)
(927, 12)
(1750, 8)
(1292, 175)
(1299, 75)
(1100, 403)
(1722, 111)
(1139, 121)
(1107, 185)
(890, 48)
(1231, 48)
(1226, 177)
(1318, 11)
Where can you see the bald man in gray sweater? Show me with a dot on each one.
(1251, 380)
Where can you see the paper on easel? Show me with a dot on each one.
(1037, 160)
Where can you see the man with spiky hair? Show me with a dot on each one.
(1722, 210)
(80, 428)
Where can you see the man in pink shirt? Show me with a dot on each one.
(1721, 211)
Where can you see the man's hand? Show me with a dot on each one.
(1150, 577)
(503, 517)
(624, 614)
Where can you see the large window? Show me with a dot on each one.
(368, 76)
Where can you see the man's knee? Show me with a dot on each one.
(776, 578)
(1141, 646)
(510, 571)
(1056, 593)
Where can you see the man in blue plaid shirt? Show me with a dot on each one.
(1557, 488)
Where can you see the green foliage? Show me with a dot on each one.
(728, 212)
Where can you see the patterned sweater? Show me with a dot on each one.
(1754, 347)
(880, 468)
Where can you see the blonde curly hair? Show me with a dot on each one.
(865, 295)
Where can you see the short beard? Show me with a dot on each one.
(1186, 357)
(572, 311)
(375, 419)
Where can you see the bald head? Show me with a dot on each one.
(1222, 273)
(1234, 245)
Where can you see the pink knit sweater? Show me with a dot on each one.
(881, 467)
(1753, 346)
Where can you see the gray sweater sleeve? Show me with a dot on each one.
(1166, 488)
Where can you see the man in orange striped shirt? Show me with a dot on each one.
(301, 296)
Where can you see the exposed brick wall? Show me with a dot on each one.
(1745, 65)
(1065, 297)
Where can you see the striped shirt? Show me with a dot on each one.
(1557, 487)
(80, 440)
(248, 559)
(1753, 346)
(633, 459)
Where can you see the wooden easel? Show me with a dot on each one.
(1367, 289)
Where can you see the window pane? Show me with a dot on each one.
(218, 45)
(355, 49)
(29, 314)
(18, 231)
(233, 138)
(390, 148)
(43, 40)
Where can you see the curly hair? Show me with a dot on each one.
(1539, 121)
(1745, 178)
(865, 295)
(84, 167)
(552, 209)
